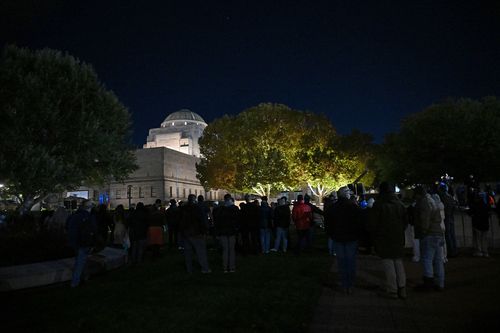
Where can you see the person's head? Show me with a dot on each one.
(307, 198)
(344, 193)
(419, 192)
(157, 203)
(386, 188)
(227, 197)
(247, 198)
(192, 198)
(173, 202)
(140, 206)
(282, 201)
(87, 205)
(200, 198)
(264, 198)
(300, 197)
(443, 187)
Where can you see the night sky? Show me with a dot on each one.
(366, 64)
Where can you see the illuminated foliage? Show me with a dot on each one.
(458, 137)
(60, 126)
(271, 147)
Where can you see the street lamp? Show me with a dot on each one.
(129, 195)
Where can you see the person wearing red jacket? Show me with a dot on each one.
(302, 218)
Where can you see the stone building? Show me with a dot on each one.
(179, 131)
(167, 166)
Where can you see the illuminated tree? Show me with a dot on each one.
(256, 148)
(458, 137)
(333, 161)
(60, 126)
(271, 147)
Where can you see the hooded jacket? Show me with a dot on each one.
(387, 223)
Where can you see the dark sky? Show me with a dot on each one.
(366, 64)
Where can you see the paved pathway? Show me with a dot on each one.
(365, 311)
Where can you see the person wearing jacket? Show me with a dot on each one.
(387, 223)
(138, 232)
(343, 220)
(428, 219)
(226, 220)
(265, 224)
(193, 230)
(450, 205)
(81, 227)
(302, 218)
(281, 221)
(479, 212)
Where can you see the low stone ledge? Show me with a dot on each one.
(50, 272)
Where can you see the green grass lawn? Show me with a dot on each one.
(268, 293)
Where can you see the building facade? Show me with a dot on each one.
(167, 166)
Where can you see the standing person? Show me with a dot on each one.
(329, 201)
(343, 220)
(250, 226)
(479, 211)
(440, 206)
(387, 223)
(428, 218)
(138, 232)
(104, 223)
(302, 217)
(450, 205)
(82, 231)
(120, 232)
(281, 221)
(193, 230)
(172, 218)
(155, 230)
(317, 217)
(206, 210)
(265, 224)
(226, 219)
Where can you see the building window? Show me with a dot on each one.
(177, 192)
(153, 191)
(118, 194)
(171, 192)
(183, 192)
(141, 193)
(195, 191)
(190, 191)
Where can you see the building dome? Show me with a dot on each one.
(184, 115)
(180, 131)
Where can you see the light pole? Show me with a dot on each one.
(129, 195)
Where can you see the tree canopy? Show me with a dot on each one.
(458, 137)
(271, 147)
(60, 126)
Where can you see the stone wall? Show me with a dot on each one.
(163, 174)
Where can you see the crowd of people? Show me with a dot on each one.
(376, 225)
